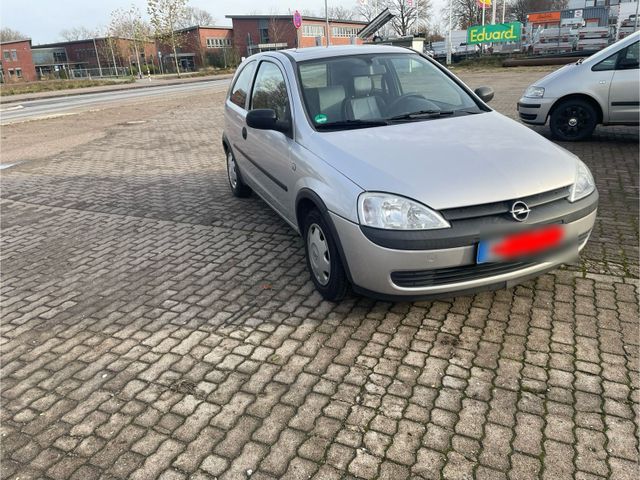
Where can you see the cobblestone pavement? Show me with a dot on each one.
(154, 326)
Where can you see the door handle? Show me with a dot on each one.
(244, 132)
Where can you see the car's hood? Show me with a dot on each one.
(449, 162)
(563, 72)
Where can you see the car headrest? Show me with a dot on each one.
(362, 86)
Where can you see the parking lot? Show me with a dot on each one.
(155, 326)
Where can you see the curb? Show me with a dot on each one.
(108, 88)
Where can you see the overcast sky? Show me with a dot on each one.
(42, 20)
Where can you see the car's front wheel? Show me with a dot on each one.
(573, 120)
(323, 259)
(238, 187)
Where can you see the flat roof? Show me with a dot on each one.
(289, 17)
(68, 42)
(194, 27)
(16, 41)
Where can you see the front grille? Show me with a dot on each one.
(444, 276)
(501, 208)
(464, 273)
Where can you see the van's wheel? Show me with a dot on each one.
(238, 187)
(323, 259)
(573, 120)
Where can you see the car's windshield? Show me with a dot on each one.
(374, 89)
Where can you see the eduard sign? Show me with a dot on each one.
(500, 32)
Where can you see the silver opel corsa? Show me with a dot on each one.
(400, 179)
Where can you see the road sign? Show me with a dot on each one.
(297, 19)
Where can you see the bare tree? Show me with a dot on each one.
(193, 16)
(340, 13)
(410, 15)
(77, 33)
(518, 9)
(130, 25)
(277, 29)
(165, 16)
(464, 13)
(367, 10)
(9, 35)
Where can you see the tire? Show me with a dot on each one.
(323, 259)
(573, 120)
(237, 185)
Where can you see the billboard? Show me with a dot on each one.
(544, 17)
(498, 33)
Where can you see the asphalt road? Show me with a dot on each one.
(51, 107)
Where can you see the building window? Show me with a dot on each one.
(218, 42)
(19, 72)
(59, 56)
(14, 55)
(345, 32)
(7, 55)
(11, 73)
(312, 31)
(264, 35)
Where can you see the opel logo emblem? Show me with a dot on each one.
(520, 211)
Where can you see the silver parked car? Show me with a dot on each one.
(400, 179)
(601, 89)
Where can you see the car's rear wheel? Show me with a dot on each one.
(573, 120)
(323, 259)
(238, 187)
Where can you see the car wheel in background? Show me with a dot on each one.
(238, 187)
(573, 120)
(323, 259)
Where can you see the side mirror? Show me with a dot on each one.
(485, 93)
(266, 119)
(627, 63)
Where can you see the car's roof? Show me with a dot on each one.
(314, 53)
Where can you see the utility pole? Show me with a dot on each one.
(493, 12)
(326, 18)
(113, 55)
(97, 56)
(449, 42)
(504, 9)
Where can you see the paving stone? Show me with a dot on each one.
(154, 326)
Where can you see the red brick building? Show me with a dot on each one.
(17, 62)
(98, 53)
(200, 46)
(258, 33)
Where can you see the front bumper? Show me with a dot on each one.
(534, 110)
(373, 268)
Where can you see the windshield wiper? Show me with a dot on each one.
(345, 124)
(421, 114)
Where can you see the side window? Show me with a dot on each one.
(270, 90)
(629, 58)
(608, 63)
(240, 89)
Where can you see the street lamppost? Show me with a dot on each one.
(449, 42)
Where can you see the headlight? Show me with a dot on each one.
(383, 210)
(583, 184)
(534, 92)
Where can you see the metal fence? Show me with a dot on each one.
(64, 73)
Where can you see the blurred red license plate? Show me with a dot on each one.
(520, 245)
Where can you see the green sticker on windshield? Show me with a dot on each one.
(320, 118)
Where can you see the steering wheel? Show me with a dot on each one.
(407, 103)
